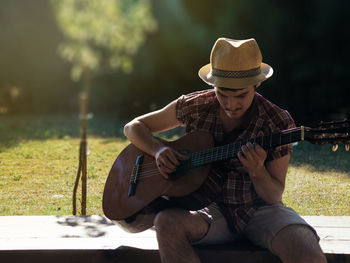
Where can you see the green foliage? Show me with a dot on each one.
(102, 35)
(306, 43)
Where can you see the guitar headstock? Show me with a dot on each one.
(335, 132)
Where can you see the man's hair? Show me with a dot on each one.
(233, 90)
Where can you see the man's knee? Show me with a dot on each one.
(298, 243)
(180, 224)
(166, 222)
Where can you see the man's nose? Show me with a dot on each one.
(231, 103)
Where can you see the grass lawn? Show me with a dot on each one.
(39, 161)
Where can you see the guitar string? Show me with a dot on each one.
(208, 155)
(217, 153)
(286, 134)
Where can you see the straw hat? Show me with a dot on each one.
(235, 64)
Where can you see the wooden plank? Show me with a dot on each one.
(334, 232)
(336, 246)
(97, 232)
(68, 232)
(328, 221)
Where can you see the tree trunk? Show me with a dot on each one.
(82, 169)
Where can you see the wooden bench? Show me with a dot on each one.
(96, 239)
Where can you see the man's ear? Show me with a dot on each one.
(257, 85)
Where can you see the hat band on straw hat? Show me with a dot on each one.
(236, 74)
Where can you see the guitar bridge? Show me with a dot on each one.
(134, 175)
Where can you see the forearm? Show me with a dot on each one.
(267, 187)
(140, 135)
(166, 158)
(268, 178)
(139, 131)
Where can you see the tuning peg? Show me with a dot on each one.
(335, 147)
(347, 147)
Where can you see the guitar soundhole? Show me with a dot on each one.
(182, 168)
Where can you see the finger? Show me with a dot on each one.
(254, 150)
(170, 166)
(165, 156)
(250, 146)
(166, 166)
(165, 171)
(246, 152)
(260, 151)
(165, 160)
(164, 174)
(241, 156)
(182, 157)
(243, 159)
(172, 158)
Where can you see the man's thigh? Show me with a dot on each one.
(269, 220)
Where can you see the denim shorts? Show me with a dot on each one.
(261, 229)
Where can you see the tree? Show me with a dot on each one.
(101, 36)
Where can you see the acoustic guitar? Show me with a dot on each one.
(135, 190)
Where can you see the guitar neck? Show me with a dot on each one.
(231, 150)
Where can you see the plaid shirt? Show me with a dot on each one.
(199, 111)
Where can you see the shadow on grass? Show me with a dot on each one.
(321, 158)
(14, 129)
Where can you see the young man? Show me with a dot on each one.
(250, 203)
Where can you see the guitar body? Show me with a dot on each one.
(135, 213)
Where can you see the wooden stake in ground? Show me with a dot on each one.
(82, 169)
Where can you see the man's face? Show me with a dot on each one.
(235, 103)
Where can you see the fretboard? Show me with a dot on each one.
(231, 150)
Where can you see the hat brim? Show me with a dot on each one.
(234, 83)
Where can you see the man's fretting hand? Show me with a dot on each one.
(253, 158)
